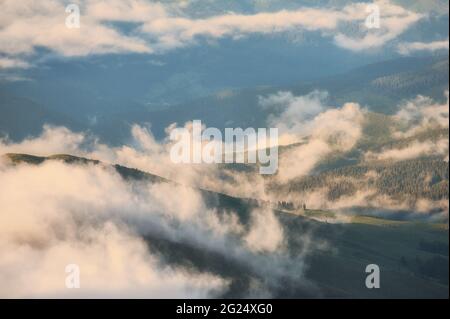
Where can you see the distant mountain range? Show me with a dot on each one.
(21, 117)
(379, 86)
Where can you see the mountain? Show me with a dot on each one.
(108, 111)
(410, 254)
(21, 117)
(405, 180)
(380, 87)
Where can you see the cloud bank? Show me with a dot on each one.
(27, 26)
(409, 48)
(55, 214)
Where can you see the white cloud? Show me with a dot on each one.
(9, 63)
(125, 10)
(394, 20)
(410, 47)
(53, 140)
(414, 150)
(54, 214)
(176, 32)
(371, 198)
(414, 117)
(291, 114)
(266, 235)
(28, 25)
(319, 128)
(420, 114)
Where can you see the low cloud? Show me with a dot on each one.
(53, 140)
(411, 47)
(413, 150)
(54, 214)
(319, 129)
(369, 200)
(415, 118)
(321, 132)
(420, 114)
(266, 235)
(9, 63)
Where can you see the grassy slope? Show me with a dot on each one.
(407, 269)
